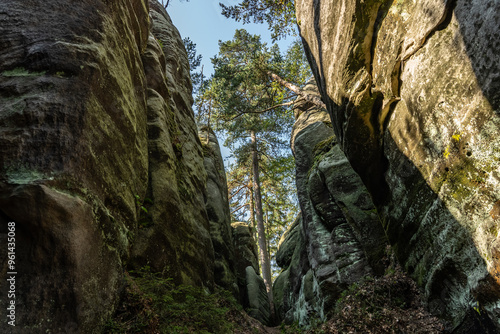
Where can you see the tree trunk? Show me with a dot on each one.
(252, 207)
(263, 254)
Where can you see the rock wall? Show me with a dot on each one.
(101, 168)
(339, 239)
(219, 215)
(174, 235)
(236, 265)
(413, 93)
(253, 292)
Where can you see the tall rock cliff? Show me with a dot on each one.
(338, 239)
(101, 167)
(219, 215)
(412, 90)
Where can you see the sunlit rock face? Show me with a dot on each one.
(413, 91)
(338, 239)
(101, 166)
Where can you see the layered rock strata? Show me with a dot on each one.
(101, 165)
(413, 93)
(339, 239)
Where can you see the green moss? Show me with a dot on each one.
(324, 146)
(153, 304)
(22, 72)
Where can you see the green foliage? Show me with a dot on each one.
(278, 14)
(141, 204)
(477, 308)
(241, 95)
(194, 62)
(145, 219)
(241, 98)
(160, 43)
(154, 304)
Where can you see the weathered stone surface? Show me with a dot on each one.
(287, 243)
(245, 247)
(73, 155)
(412, 88)
(258, 303)
(219, 215)
(339, 231)
(245, 251)
(253, 293)
(173, 236)
(100, 162)
(286, 287)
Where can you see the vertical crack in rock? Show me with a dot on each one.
(431, 24)
(433, 104)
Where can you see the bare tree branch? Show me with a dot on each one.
(263, 111)
(241, 206)
(296, 89)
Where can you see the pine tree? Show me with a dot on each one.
(251, 108)
(278, 14)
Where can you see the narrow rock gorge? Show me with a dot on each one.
(104, 172)
(102, 169)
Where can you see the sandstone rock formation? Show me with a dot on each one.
(253, 294)
(101, 166)
(339, 238)
(174, 234)
(219, 215)
(413, 93)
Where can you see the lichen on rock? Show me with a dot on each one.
(412, 91)
(101, 169)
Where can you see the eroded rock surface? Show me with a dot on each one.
(219, 215)
(413, 93)
(173, 235)
(253, 294)
(100, 161)
(339, 239)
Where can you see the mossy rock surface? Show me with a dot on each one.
(414, 99)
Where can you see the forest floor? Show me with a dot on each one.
(151, 304)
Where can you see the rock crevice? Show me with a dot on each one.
(432, 165)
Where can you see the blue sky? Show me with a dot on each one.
(201, 21)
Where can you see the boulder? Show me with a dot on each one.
(258, 302)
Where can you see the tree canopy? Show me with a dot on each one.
(278, 14)
(245, 103)
(194, 62)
